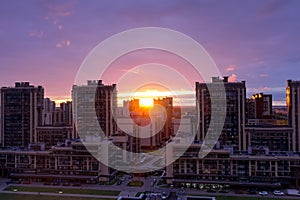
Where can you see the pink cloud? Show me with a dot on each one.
(266, 89)
(230, 68)
(68, 42)
(260, 89)
(60, 9)
(58, 45)
(264, 75)
(37, 34)
(63, 43)
(232, 78)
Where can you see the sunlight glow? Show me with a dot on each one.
(146, 102)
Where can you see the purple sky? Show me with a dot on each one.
(44, 42)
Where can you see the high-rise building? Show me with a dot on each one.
(259, 107)
(234, 124)
(167, 104)
(21, 113)
(94, 104)
(274, 137)
(293, 105)
(66, 112)
(61, 115)
(49, 108)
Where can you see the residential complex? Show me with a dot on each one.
(252, 150)
(236, 169)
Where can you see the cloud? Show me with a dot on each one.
(37, 34)
(272, 6)
(264, 75)
(63, 43)
(59, 27)
(230, 68)
(262, 89)
(61, 9)
(68, 42)
(266, 89)
(58, 45)
(232, 78)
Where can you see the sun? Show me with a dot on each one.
(146, 102)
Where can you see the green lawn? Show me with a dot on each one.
(136, 183)
(41, 197)
(64, 190)
(138, 194)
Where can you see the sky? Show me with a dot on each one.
(45, 42)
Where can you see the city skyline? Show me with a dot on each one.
(147, 96)
(254, 41)
(149, 99)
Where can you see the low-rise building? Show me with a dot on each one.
(227, 168)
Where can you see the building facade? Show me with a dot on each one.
(94, 105)
(53, 135)
(233, 129)
(276, 138)
(235, 169)
(167, 104)
(69, 162)
(21, 113)
(293, 105)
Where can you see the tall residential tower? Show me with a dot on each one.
(293, 104)
(233, 130)
(21, 113)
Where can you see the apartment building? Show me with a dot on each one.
(21, 113)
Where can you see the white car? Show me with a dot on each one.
(278, 193)
(263, 193)
(164, 195)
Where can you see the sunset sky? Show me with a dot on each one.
(45, 42)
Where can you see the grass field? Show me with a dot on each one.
(64, 190)
(41, 197)
(135, 184)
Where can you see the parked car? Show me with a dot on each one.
(26, 182)
(263, 193)
(253, 191)
(66, 184)
(165, 195)
(211, 191)
(223, 191)
(17, 182)
(119, 182)
(278, 193)
(9, 182)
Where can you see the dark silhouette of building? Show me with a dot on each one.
(233, 129)
(48, 111)
(259, 109)
(167, 104)
(21, 113)
(293, 105)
